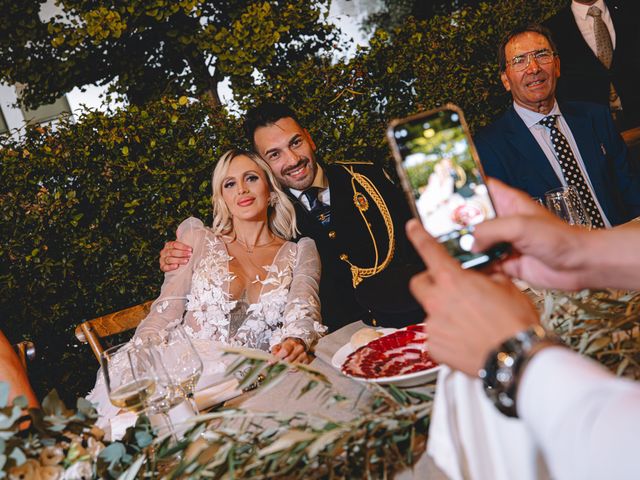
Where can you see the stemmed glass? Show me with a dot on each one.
(565, 203)
(145, 359)
(125, 389)
(182, 362)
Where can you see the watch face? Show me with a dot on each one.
(501, 373)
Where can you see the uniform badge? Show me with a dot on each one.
(361, 202)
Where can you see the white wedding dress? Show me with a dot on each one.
(198, 296)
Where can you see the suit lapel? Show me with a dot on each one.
(586, 139)
(622, 26)
(577, 39)
(535, 163)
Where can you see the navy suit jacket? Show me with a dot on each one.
(509, 152)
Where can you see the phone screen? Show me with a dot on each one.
(443, 180)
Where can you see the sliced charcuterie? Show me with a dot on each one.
(398, 353)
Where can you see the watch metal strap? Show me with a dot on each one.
(502, 370)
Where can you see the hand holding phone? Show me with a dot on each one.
(443, 180)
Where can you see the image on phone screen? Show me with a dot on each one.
(441, 177)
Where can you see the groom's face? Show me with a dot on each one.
(289, 151)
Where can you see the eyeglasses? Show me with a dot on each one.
(521, 62)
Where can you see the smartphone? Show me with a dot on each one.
(442, 177)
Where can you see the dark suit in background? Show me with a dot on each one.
(509, 152)
(584, 78)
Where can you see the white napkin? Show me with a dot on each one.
(120, 423)
(215, 394)
(470, 439)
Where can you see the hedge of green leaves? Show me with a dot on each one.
(85, 209)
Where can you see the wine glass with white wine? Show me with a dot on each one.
(126, 390)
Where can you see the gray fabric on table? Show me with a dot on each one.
(285, 397)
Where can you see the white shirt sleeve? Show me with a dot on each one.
(586, 420)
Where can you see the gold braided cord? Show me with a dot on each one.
(360, 273)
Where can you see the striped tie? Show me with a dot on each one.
(320, 210)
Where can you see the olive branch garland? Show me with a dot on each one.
(237, 444)
(230, 443)
(601, 324)
(386, 435)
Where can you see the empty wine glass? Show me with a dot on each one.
(182, 362)
(146, 361)
(126, 390)
(565, 203)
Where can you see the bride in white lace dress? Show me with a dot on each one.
(246, 284)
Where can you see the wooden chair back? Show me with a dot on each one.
(92, 331)
(631, 137)
(26, 350)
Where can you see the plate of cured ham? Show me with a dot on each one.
(390, 356)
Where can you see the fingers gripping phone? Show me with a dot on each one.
(442, 177)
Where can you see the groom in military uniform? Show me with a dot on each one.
(356, 216)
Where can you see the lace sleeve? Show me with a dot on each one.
(170, 305)
(302, 313)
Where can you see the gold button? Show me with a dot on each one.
(332, 234)
(374, 322)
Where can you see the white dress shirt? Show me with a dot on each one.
(542, 136)
(585, 23)
(320, 181)
(585, 420)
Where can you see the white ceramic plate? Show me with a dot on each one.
(409, 380)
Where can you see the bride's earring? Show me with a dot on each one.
(273, 199)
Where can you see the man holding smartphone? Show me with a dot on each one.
(583, 418)
(354, 213)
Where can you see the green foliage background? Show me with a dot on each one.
(86, 208)
(144, 49)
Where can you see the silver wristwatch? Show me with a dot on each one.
(504, 366)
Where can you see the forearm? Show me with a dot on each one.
(583, 418)
(11, 371)
(301, 317)
(610, 258)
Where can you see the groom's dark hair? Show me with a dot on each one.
(265, 114)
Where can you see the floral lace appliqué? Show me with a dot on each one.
(209, 300)
(266, 316)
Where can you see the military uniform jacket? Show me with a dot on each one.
(367, 260)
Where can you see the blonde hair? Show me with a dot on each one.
(281, 213)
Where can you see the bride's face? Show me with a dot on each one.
(245, 189)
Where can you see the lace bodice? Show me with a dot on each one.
(288, 304)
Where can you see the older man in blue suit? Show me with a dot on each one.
(539, 145)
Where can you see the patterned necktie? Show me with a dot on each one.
(317, 208)
(604, 47)
(571, 170)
